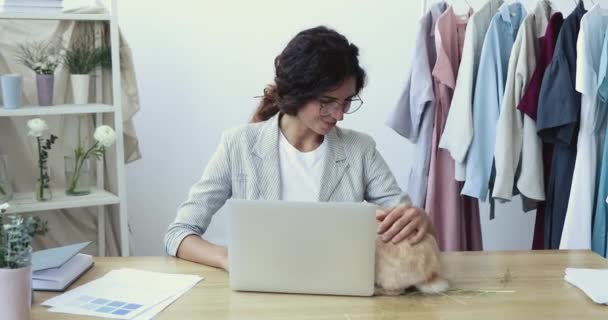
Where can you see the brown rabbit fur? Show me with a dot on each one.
(401, 266)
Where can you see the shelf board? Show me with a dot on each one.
(24, 202)
(53, 16)
(56, 110)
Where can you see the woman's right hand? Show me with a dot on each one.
(196, 249)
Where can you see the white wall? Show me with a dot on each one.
(200, 63)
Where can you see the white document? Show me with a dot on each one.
(594, 282)
(124, 294)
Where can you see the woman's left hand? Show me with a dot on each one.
(403, 222)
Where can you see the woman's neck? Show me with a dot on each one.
(298, 134)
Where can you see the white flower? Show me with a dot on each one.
(37, 127)
(37, 65)
(62, 52)
(105, 135)
(4, 207)
(44, 66)
(52, 59)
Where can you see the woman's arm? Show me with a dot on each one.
(196, 249)
(205, 198)
(399, 220)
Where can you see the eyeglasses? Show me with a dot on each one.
(329, 105)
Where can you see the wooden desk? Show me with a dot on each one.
(533, 288)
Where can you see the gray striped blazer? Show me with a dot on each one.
(246, 166)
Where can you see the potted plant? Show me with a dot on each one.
(78, 166)
(43, 58)
(81, 58)
(37, 127)
(16, 234)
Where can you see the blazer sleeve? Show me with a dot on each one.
(381, 186)
(205, 198)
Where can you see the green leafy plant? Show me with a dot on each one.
(41, 57)
(16, 235)
(105, 57)
(82, 57)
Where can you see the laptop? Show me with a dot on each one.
(301, 247)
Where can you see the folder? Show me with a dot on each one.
(57, 268)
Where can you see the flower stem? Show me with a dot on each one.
(2, 191)
(79, 162)
(41, 188)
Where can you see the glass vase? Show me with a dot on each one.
(6, 186)
(78, 176)
(42, 191)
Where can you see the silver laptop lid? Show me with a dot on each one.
(301, 247)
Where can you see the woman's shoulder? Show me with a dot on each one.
(245, 133)
(356, 140)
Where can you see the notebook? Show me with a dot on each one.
(56, 268)
(55, 257)
(59, 279)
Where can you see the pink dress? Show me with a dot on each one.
(456, 217)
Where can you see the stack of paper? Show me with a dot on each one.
(33, 6)
(594, 282)
(124, 294)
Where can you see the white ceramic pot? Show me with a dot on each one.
(80, 88)
(16, 292)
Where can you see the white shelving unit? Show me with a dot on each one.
(59, 109)
(24, 202)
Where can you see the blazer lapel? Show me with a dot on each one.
(335, 165)
(266, 155)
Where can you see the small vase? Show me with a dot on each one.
(78, 176)
(42, 191)
(12, 85)
(6, 186)
(44, 83)
(80, 88)
(16, 293)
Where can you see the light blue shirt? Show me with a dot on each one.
(599, 237)
(489, 88)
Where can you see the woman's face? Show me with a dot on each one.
(321, 115)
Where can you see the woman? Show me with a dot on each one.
(293, 150)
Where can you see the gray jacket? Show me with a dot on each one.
(246, 166)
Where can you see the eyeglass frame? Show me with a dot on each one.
(347, 102)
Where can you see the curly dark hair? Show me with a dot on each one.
(315, 61)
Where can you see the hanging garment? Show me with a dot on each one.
(412, 117)
(599, 235)
(458, 132)
(529, 106)
(456, 218)
(557, 123)
(489, 90)
(516, 137)
(576, 233)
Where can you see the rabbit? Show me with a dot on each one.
(400, 266)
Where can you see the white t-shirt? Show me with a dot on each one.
(300, 171)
